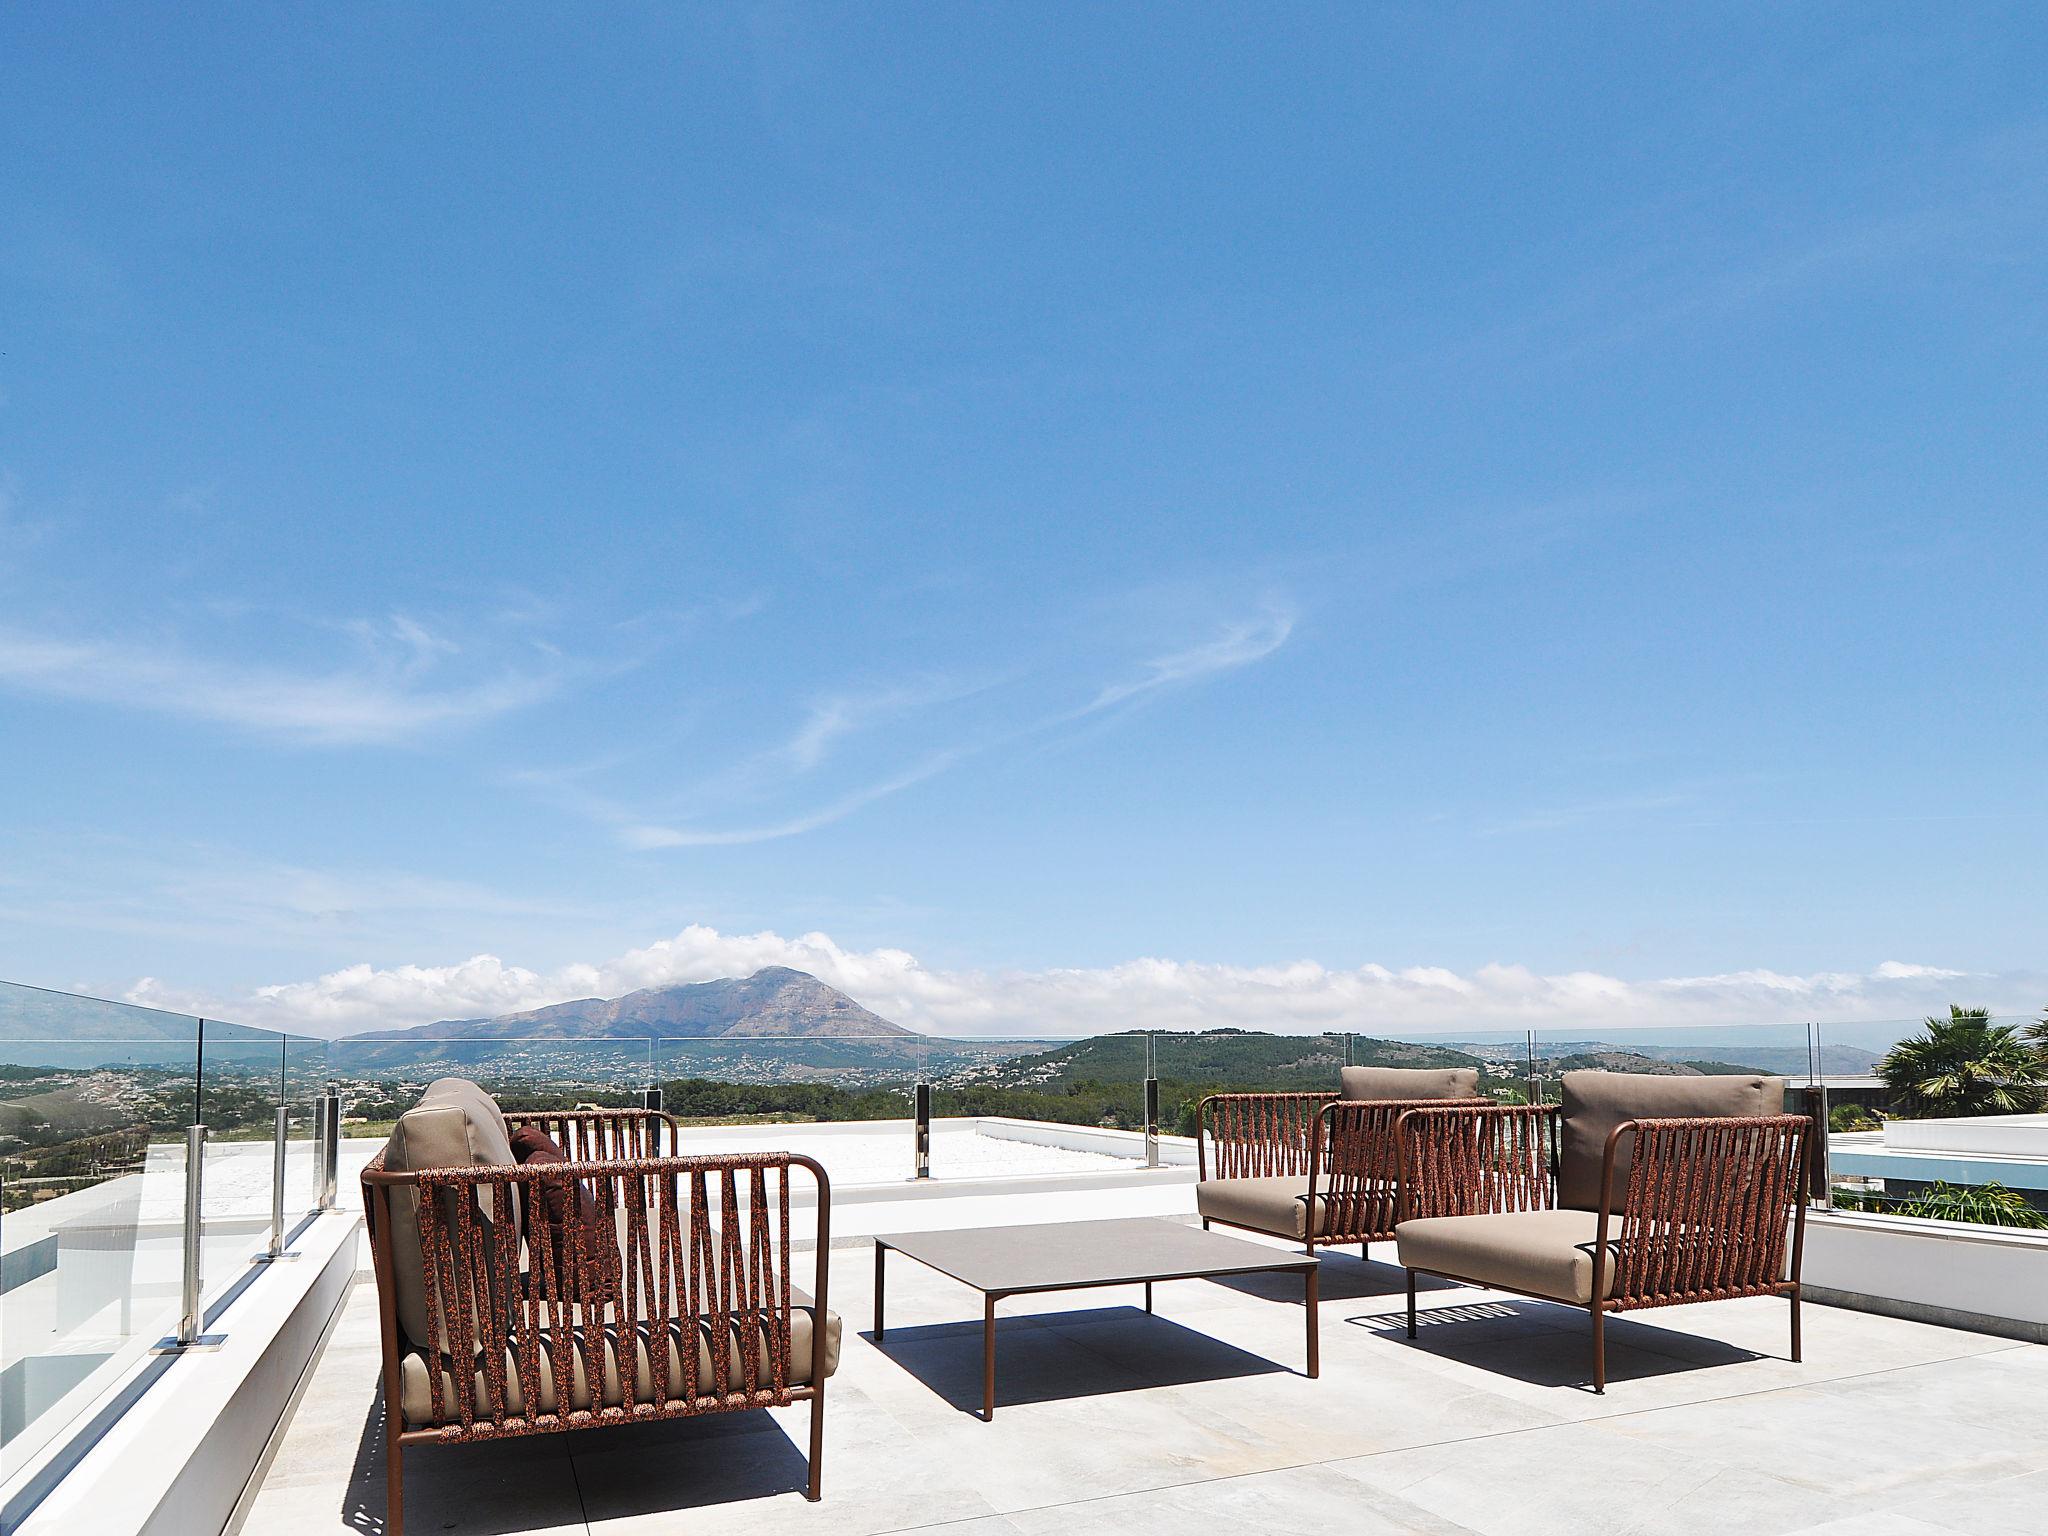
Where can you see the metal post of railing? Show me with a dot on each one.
(275, 1250)
(1535, 1081)
(651, 1096)
(330, 1147)
(1151, 1101)
(333, 1171)
(1817, 1106)
(922, 1129)
(191, 1313)
(195, 1216)
(1350, 1054)
(320, 1151)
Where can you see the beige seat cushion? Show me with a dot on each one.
(416, 1398)
(454, 1125)
(1275, 1205)
(1408, 1082)
(1596, 1102)
(1539, 1253)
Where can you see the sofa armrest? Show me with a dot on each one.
(1358, 1143)
(1708, 1207)
(1473, 1160)
(603, 1135)
(1258, 1135)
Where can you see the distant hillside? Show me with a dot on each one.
(1640, 1055)
(1233, 1058)
(774, 1001)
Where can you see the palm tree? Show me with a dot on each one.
(2037, 1034)
(1964, 1065)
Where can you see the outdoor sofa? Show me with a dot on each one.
(602, 1280)
(1316, 1168)
(1638, 1190)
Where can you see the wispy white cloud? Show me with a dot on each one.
(1239, 645)
(837, 716)
(1300, 997)
(832, 720)
(649, 835)
(388, 694)
(75, 881)
(1558, 818)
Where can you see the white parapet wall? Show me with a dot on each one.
(1993, 1135)
(1989, 1279)
(178, 1460)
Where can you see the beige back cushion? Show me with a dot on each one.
(1596, 1102)
(1409, 1082)
(454, 1125)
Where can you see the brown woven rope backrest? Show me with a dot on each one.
(1359, 1176)
(697, 1251)
(1708, 1206)
(602, 1135)
(1475, 1161)
(1260, 1135)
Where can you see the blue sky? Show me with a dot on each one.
(1016, 492)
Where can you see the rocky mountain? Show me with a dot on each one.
(774, 1001)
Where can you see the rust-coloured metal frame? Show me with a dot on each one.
(493, 1295)
(1703, 1216)
(1346, 1148)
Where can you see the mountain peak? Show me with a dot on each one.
(775, 1000)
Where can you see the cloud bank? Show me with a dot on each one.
(384, 699)
(1302, 997)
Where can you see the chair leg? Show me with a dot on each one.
(394, 1496)
(1411, 1303)
(1599, 1350)
(816, 1489)
(1795, 1322)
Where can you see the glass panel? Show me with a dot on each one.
(1777, 1050)
(305, 1079)
(242, 1074)
(998, 1113)
(1193, 1066)
(94, 1098)
(1500, 1056)
(729, 1092)
(379, 1080)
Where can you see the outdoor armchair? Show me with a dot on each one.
(537, 1298)
(1316, 1168)
(1637, 1191)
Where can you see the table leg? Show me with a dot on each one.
(988, 1360)
(1148, 1295)
(1312, 1296)
(880, 1250)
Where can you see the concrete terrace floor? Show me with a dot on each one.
(1197, 1420)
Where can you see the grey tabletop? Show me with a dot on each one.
(1075, 1254)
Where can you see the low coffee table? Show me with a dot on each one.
(1080, 1255)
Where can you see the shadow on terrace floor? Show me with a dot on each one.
(1548, 1344)
(1342, 1277)
(1051, 1357)
(719, 1458)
